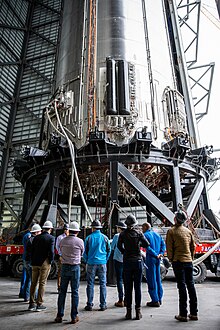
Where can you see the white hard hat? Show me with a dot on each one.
(74, 226)
(47, 225)
(35, 228)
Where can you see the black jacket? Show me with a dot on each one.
(129, 243)
(42, 248)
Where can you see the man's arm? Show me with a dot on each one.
(162, 246)
(82, 247)
(86, 249)
(144, 242)
(192, 246)
(28, 251)
(169, 244)
(114, 241)
(51, 249)
(108, 248)
(58, 240)
(120, 244)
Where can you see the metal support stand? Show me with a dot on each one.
(111, 278)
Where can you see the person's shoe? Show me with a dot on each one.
(88, 308)
(193, 317)
(75, 320)
(26, 300)
(119, 304)
(41, 308)
(102, 309)
(128, 314)
(138, 314)
(153, 304)
(181, 318)
(21, 295)
(32, 307)
(58, 319)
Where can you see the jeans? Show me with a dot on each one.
(119, 276)
(39, 275)
(59, 273)
(23, 278)
(100, 271)
(155, 288)
(27, 282)
(183, 272)
(133, 277)
(69, 274)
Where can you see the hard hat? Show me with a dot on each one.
(131, 220)
(180, 216)
(96, 224)
(35, 228)
(74, 226)
(47, 225)
(121, 225)
(65, 226)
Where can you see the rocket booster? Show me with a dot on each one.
(115, 73)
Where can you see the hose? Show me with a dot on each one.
(72, 153)
(207, 254)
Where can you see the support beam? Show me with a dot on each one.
(114, 194)
(38, 200)
(194, 198)
(145, 193)
(177, 193)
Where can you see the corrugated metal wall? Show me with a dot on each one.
(29, 32)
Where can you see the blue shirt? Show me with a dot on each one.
(157, 244)
(117, 253)
(97, 249)
(25, 239)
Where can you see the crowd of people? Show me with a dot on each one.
(126, 248)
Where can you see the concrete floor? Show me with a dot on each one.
(14, 314)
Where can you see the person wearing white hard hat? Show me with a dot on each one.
(42, 255)
(71, 248)
(35, 230)
(96, 255)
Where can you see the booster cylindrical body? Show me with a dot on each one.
(115, 59)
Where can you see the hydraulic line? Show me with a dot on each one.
(207, 254)
(72, 153)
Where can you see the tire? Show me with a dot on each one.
(199, 273)
(17, 267)
(53, 270)
(2, 266)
